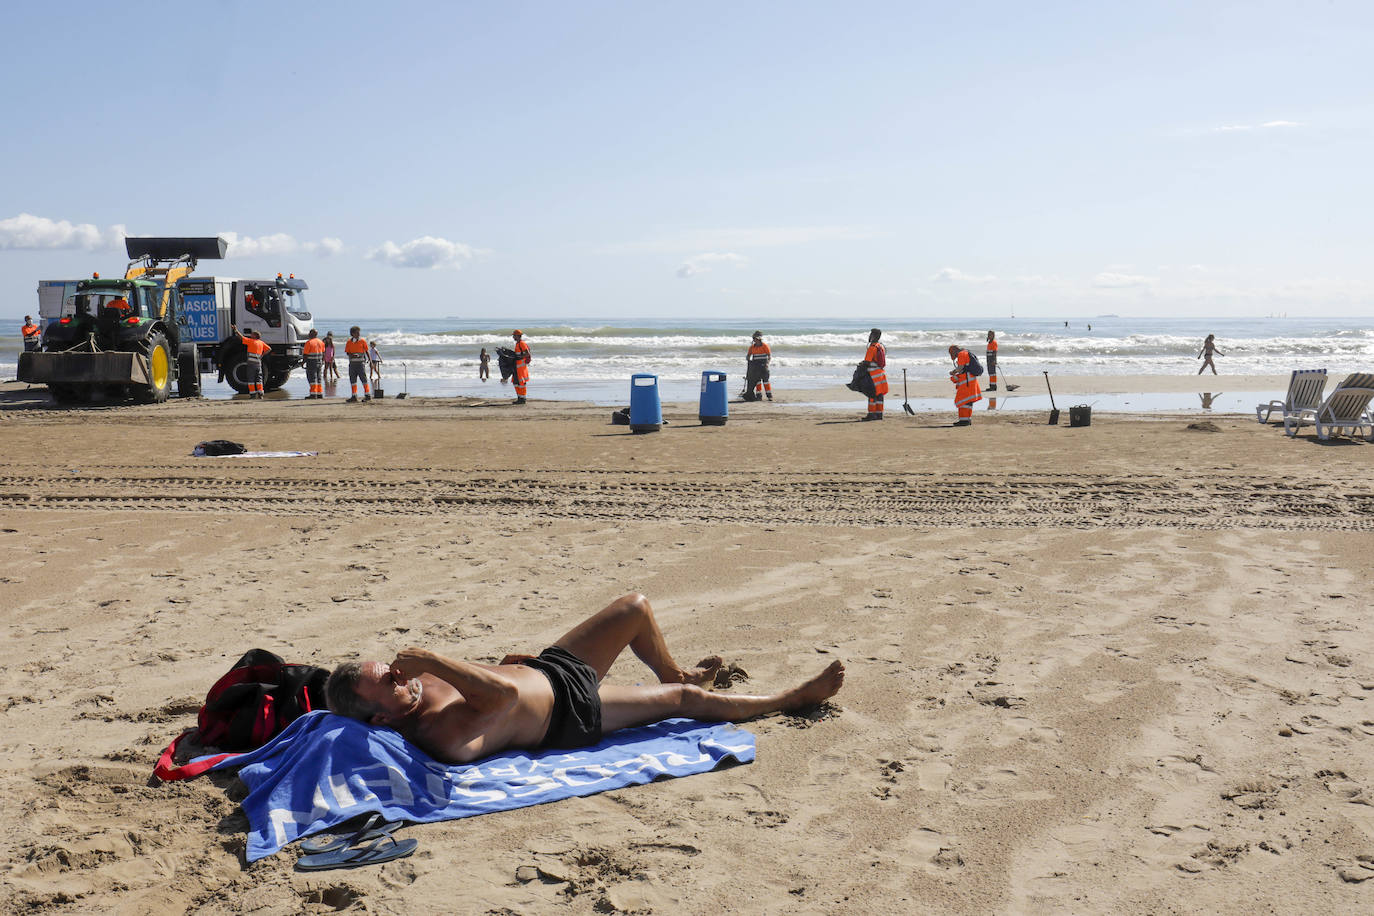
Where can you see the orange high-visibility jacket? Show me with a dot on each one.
(313, 347)
(876, 357)
(356, 350)
(257, 349)
(31, 330)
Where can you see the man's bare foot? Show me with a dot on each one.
(705, 671)
(820, 688)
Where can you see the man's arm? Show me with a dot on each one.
(486, 692)
(464, 730)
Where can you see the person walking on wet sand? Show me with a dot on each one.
(484, 365)
(458, 711)
(1209, 347)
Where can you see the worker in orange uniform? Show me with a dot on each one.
(356, 348)
(756, 375)
(522, 366)
(257, 350)
(992, 361)
(33, 334)
(967, 391)
(875, 363)
(313, 351)
(119, 304)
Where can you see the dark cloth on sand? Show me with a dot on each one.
(576, 717)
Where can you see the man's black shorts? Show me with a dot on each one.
(576, 718)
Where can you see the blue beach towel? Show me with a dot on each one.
(324, 769)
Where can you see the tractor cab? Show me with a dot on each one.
(109, 303)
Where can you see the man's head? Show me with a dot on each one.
(355, 332)
(372, 692)
(875, 335)
(255, 335)
(758, 335)
(28, 320)
(991, 335)
(314, 333)
(953, 351)
(516, 334)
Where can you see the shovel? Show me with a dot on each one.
(1054, 411)
(905, 405)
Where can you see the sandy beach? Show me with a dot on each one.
(1113, 669)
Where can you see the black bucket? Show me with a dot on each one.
(1082, 415)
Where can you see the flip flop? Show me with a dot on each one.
(371, 829)
(383, 849)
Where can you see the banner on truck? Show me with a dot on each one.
(200, 313)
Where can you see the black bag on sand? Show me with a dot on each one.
(219, 447)
(620, 417)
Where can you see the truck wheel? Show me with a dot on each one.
(188, 372)
(69, 394)
(159, 370)
(236, 371)
(276, 378)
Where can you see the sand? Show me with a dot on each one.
(1115, 669)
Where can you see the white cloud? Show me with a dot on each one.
(1111, 280)
(276, 245)
(1267, 124)
(27, 232)
(246, 246)
(426, 253)
(702, 263)
(325, 247)
(954, 275)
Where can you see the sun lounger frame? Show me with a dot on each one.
(1304, 393)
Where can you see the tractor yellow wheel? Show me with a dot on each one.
(159, 369)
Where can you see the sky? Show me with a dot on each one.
(525, 161)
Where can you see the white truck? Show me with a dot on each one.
(276, 309)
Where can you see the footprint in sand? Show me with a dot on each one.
(1021, 728)
(934, 851)
(1182, 770)
(1358, 871)
(997, 784)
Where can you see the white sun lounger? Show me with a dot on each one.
(1304, 392)
(1346, 408)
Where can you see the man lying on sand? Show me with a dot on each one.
(459, 711)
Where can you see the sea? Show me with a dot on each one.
(592, 361)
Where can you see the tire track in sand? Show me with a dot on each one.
(1199, 501)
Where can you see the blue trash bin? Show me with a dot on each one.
(713, 410)
(646, 413)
